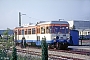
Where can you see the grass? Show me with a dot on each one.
(6, 44)
(29, 57)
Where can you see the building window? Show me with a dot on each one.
(85, 33)
(29, 31)
(33, 30)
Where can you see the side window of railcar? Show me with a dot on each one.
(33, 30)
(25, 31)
(19, 32)
(29, 31)
(22, 31)
(47, 29)
(38, 30)
(16, 32)
(42, 30)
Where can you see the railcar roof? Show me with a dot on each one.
(53, 22)
(25, 26)
(45, 22)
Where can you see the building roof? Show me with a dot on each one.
(80, 24)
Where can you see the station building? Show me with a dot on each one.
(82, 26)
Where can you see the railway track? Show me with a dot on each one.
(59, 54)
(74, 51)
(51, 56)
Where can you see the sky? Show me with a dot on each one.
(42, 10)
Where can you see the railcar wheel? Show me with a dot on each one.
(62, 46)
(65, 45)
(50, 46)
(58, 46)
(33, 44)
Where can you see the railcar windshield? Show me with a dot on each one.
(59, 29)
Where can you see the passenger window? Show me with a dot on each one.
(42, 30)
(29, 31)
(26, 32)
(33, 30)
(47, 29)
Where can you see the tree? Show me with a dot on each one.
(14, 53)
(3, 54)
(44, 49)
(6, 33)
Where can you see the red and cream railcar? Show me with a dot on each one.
(49, 29)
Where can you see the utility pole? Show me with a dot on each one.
(82, 37)
(19, 18)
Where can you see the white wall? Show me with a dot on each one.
(71, 23)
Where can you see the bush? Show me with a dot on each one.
(44, 46)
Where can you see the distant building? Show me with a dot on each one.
(10, 32)
(82, 26)
(79, 24)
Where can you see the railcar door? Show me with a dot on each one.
(38, 40)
